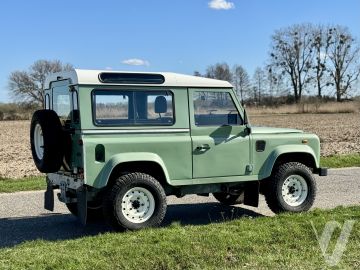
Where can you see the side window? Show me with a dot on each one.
(110, 108)
(61, 102)
(215, 109)
(130, 107)
(160, 105)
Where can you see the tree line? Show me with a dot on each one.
(317, 60)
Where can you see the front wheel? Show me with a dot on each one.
(134, 202)
(291, 188)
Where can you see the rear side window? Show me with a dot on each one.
(215, 109)
(130, 107)
(61, 101)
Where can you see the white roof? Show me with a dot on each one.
(91, 77)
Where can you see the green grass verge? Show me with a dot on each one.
(341, 161)
(286, 241)
(24, 184)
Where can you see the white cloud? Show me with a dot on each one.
(221, 4)
(136, 62)
(108, 68)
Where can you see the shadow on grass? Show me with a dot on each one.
(52, 227)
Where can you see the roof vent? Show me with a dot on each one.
(131, 78)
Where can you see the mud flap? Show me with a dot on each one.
(81, 194)
(49, 197)
(251, 193)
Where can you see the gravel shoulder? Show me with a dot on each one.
(22, 217)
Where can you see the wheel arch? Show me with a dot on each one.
(283, 154)
(148, 163)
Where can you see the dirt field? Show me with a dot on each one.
(15, 155)
(339, 134)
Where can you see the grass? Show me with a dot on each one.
(24, 184)
(341, 161)
(286, 241)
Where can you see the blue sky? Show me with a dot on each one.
(173, 35)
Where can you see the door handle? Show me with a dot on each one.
(203, 147)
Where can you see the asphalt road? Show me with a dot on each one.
(22, 217)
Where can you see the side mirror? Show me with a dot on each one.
(248, 129)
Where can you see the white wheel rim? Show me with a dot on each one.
(39, 142)
(138, 205)
(294, 190)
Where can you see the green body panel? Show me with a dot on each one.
(172, 151)
(232, 155)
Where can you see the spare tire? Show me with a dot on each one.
(47, 141)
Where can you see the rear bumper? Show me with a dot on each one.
(65, 183)
(58, 180)
(322, 171)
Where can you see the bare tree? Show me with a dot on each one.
(28, 86)
(259, 81)
(344, 54)
(292, 53)
(322, 37)
(220, 71)
(241, 81)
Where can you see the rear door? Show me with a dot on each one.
(220, 143)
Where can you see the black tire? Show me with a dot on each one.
(52, 134)
(228, 199)
(113, 202)
(94, 212)
(274, 188)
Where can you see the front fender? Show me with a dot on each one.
(104, 176)
(266, 169)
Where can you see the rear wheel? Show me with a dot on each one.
(134, 202)
(292, 188)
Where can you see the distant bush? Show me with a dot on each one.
(16, 111)
(308, 107)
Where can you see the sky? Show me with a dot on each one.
(158, 35)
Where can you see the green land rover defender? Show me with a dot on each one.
(117, 143)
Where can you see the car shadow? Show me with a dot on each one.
(205, 213)
(52, 227)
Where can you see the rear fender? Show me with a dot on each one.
(103, 178)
